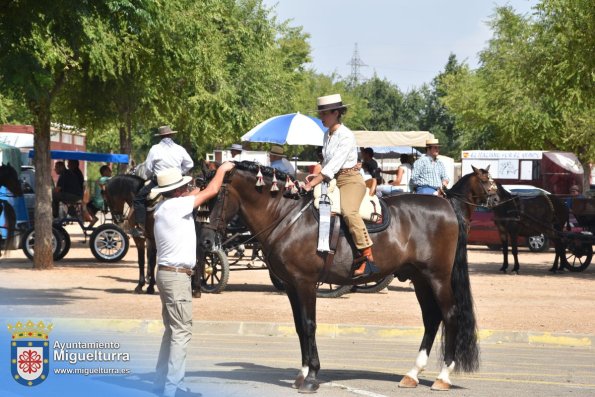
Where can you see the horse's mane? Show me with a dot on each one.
(458, 187)
(267, 176)
(124, 182)
(266, 171)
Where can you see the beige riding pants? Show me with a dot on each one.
(352, 187)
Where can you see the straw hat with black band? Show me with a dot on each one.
(330, 102)
(165, 130)
(170, 179)
(277, 151)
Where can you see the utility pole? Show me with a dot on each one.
(356, 63)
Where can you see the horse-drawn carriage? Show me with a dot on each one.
(579, 244)
(108, 242)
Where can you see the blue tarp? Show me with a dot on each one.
(85, 156)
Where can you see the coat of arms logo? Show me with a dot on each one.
(29, 352)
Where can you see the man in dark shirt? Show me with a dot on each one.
(68, 188)
(73, 165)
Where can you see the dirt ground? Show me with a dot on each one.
(81, 287)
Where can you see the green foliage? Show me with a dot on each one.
(535, 87)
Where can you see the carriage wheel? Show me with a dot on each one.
(109, 243)
(277, 282)
(28, 245)
(325, 290)
(373, 287)
(216, 272)
(578, 256)
(64, 242)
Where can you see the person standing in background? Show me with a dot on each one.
(429, 173)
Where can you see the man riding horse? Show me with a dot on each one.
(166, 154)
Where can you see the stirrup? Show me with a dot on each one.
(369, 270)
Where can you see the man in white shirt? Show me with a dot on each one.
(279, 161)
(166, 154)
(175, 240)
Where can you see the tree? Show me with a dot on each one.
(536, 83)
(43, 45)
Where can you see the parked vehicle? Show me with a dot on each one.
(483, 230)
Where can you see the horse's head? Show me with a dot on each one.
(483, 187)
(253, 191)
(222, 209)
(10, 179)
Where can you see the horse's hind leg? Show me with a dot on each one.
(140, 247)
(303, 305)
(432, 317)
(152, 259)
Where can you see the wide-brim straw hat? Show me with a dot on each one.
(236, 146)
(277, 151)
(165, 130)
(432, 142)
(330, 102)
(170, 179)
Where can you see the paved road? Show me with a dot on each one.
(261, 360)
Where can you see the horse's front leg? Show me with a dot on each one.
(431, 317)
(152, 258)
(303, 305)
(140, 247)
(515, 254)
(504, 242)
(560, 249)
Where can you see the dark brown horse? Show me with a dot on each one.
(473, 190)
(517, 215)
(425, 243)
(9, 179)
(119, 192)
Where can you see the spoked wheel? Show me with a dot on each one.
(109, 243)
(64, 242)
(29, 243)
(578, 256)
(216, 272)
(325, 290)
(375, 286)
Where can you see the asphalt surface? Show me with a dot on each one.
(262, 359)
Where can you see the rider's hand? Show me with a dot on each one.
(227, 166)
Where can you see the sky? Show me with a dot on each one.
(405, 41)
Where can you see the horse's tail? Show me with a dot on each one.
(10, 218)
(466, 349)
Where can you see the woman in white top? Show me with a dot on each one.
(340, 162)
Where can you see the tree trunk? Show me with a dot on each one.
(125, 145)
(43, 258)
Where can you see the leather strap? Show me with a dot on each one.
(330, 255)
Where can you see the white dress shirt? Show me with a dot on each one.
(167, 154)
(339, 151)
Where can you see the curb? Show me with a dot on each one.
(333, 331)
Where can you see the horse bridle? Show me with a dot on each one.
(220, 225)
(487, 190)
